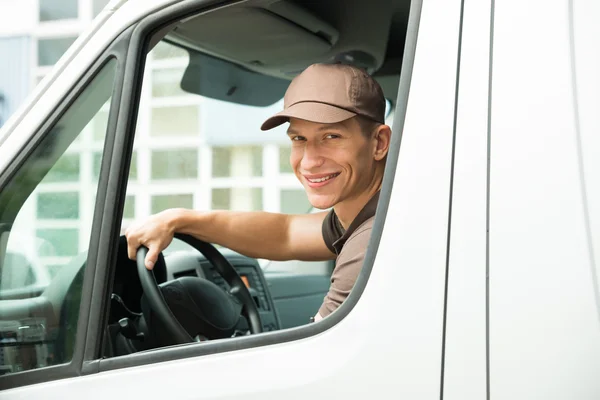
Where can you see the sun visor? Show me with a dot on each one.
(222, 80)
(262, 37)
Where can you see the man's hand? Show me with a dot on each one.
(156, 233)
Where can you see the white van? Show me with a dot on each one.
(481, 277)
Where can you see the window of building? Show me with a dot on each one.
(129, 208)
(294, 201)
(284, 160)
(174, 164)
(55, 10)
(237, 161)
(51, 50)
(165, 82)
(237, 199)
(175, 120)
(97, 6)
(58, 205)
(163, 202)
(65, 170)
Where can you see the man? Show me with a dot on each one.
(339, 146)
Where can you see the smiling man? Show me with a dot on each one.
(339, 147)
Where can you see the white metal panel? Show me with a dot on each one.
(390, 343)
(465, 361)
(10, 24)
(586, 59)
(544, 330)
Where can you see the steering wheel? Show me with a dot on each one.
(238, 298)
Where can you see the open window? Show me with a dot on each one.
(209, 80)
(180, 128)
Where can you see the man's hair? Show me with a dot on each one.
(367, 125)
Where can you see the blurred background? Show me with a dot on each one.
(33, 36)
(189, 152)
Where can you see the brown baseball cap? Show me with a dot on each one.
(330, 93)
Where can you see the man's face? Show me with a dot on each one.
(334, 162)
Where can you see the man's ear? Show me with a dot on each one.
(382, 137)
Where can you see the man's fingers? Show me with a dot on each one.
(151, 257)
(132, 248)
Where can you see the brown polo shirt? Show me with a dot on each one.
(350, 246)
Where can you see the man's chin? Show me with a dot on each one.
(322, 202)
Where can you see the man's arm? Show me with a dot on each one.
(254, 234)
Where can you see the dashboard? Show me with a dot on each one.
(193, 263)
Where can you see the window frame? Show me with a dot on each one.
(76, 366)
(158, 23)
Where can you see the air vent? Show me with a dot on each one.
(189, 272)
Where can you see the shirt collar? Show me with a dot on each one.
(368, 211)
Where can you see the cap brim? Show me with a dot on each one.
(309, 111)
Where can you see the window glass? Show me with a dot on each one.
(52, 10)
(50, 50)
(174, 164)
(66, 169)
(58, 242)
(175, 120)
(100, 123)
(164, 50)
(61, 205)
(46, 213)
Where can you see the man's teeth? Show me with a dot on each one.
(323, 179)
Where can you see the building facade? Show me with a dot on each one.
(189, 151)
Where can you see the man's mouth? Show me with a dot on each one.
(322, 179)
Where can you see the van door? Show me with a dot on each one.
(386, 339)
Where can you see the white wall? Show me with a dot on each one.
(17, 18)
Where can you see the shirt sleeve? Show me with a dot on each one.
(347, 267)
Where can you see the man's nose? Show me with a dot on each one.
(311, 158)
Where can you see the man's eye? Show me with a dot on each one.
(332, 136)
(297, 138)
